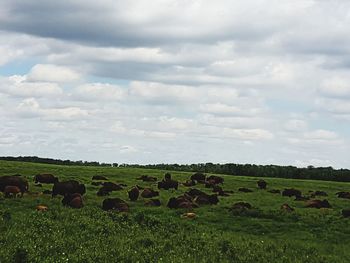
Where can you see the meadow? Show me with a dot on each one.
(159, 234)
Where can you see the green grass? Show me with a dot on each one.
(149, 234)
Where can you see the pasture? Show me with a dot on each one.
(159, 234)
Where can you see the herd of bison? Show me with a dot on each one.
(73, 191)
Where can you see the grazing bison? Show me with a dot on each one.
(216, 179)
(168, 184)
(134, 194)
(68, 187)
(149, 193)
(146, 178)
(346, 212)
(274, 191)
(116, 204)
(287, 208)
(199, 177)
(343, 195)
(318, 204)
(11, 191)
(245, 190)
(73, 200)
(18, 181)
(99, 177)
(45, 179)
(153, 202)
(262, 184)
(291, 192)
(189, 183)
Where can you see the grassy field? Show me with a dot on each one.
(159, 234)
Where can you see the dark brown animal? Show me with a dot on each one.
(318, 204)
(182, 201)
(168, 184)
(210, 183)
(245, 190)
(73, 200)
(262, 184)
(206, 199)
(103, 191)
(109, 186)
(343, 195)
(134, 194)
(68, 187)
(45, 179)
(291, 192)
(346, 212)
(153, 202)
(216, 179)
(116, 204)
(287, 208)
(199, 177)
(189, 183)
(18, 181)
(146, 178)
(149, 193)
(11, 191)
(99, 177)
(193, 192)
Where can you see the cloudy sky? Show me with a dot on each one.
(176, 81)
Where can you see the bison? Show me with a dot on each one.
(134, 194)
(109, 186)
(168, 184)
(262, 184)
(153, 202)
(68, 187)
(291, 192)
(99, 177)
(189, 183)
(206, 199)
(73, 200)
(199, 177)
(149, 193)
(343, 195)
(11, 191)
(103, 191)
(182, 201)
(318, 204)
(216, 179)
(116, 204)
(45, 179)
(18, 181)
(146, 178)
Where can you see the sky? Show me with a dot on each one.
(166, 81)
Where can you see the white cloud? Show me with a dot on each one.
(52, 73)
(98, 91)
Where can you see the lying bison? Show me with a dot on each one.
(291, 192)
(109, 186)
(202, 198)
(183, 201)
(153, 202)
(262, 184)
(18, 181)
(45, 179)
(318, 204)
(216, 179)
(149, 193)
(99, 177)
(68, 187)
(199, 177)
(343, 195)
(116, 204)
(189, 183)
(168, 184)
(134, 193)
(73, 200)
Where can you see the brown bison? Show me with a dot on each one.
(199, 177)
(11, 191)
(99, 177)
(73, 200)
(318, 204)
(103, 191)
(18, 181)
(146, 178)
(346, 212)
(116, 204)
(153, 202)
(149, 193)
(68, 187)
(245, 190)
(183, 201)
(109, 186)
(287, 208)
(134, 194)
(206, 199)
(343, 195)
(291, 192)
(168, 184)
(262, 184)
(45, 179)
(193, 192)
(216, 179)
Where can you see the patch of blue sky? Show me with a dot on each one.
(18, 67)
